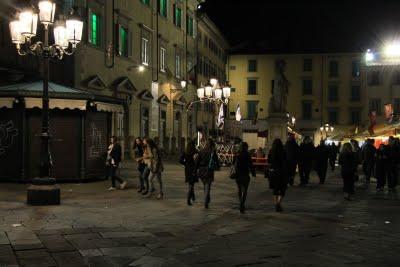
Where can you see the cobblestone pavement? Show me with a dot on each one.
(95, 227)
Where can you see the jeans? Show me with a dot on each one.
(242, 191)
(321, 171)
(141, 171)
(112, 171)
(151, 178)
(207, 189)
(304, 170)
(144, 178)
(191, 195)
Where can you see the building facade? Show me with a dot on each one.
(136, 52)
(323, 88)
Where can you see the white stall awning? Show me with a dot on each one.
(31, 102)
(6, 102)
(101, 106)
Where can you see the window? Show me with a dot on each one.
(307, 87)
(333, 69)
(162, 8)
(375, 105)
(205, 41)
(355, 93)
(374, 78)
(163, 57)
(120, 124)
(94, 31)
(333, 95)
(251, 87)
(307, 64)
(123, 42)
(145, 51)
(355, 70)
(177, 66)
(307, 110)
(332, 116)
(145, 2)
(396, 105)
(355, 116)
(177, 16)
(252, 65)
(189, 26)
(251, 109)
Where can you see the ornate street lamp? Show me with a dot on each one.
(22, 31)
(213, 92)
(326, 129)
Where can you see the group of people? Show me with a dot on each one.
(283, 161)
(149, 161)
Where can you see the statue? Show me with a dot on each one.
(280, 90)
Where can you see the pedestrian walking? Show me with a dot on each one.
(208, 163)
(393, 164)
(243, 165)
(138, 150)
(156, 168)
(188, 159)
(278, 173)
(292, 153)
(113, 160)
(381, 167)
(321, 161)
(305, 160)
(348, 163)
(146, 160)
(356, 149)
(368, 159)
(333, 151)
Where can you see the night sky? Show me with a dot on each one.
(306, 26)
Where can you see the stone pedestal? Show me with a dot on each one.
(277, 127)
(43, 191)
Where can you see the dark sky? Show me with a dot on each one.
(293, 26)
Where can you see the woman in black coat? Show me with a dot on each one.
(348, 161)
(138, 150)
(243, 165)
(188, 159)
(381, 167)
(278, 172)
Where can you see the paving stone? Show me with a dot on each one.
(73, 231)
(90, 252)
(98, 261)
(4, 239)
(108, 229)
(56, 243)
(83, 243)
(125, 234)
(148, 261)
(126, 242)
(132, 252)
(87, 236)
(39, 257)
(73, 259)
(7, 256)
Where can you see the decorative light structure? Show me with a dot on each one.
(213, 92)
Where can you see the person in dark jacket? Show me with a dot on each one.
(138, 150)
(356, 149)
(333, 151)
(321, 161)
(348, 162)
(394, 160)
(112, 162)
(278, 172)
(243, 165)
(306, 153)
(292, 153)
(207, 164)
(368, 159)
(381, 167)
(188, 159)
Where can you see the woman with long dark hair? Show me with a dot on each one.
(138, 150)
(188, 159)
(146, 160)
(208, 163)
(243, 165)
(278, 172)
(348, 162)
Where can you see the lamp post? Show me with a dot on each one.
(326, 129)
(67, 34)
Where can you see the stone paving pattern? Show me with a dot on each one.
(95, 227)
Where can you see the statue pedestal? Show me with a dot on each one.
(277, 127)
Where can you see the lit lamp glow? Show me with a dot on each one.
(200, 92)
(141, 68)
(74, 30)
(369, 56)
(218, 93)
(392, 50)
(213, 82)
(46, 12)
(15, 30)
(321, 128)
(208, 91)
(183, 83)
(60, 36)
(28, 23)
(226, 91)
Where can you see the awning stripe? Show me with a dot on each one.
(31, 102)
(101, 106)
(6, 102)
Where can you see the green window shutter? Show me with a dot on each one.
(146, 2)
(189, 26)
(93, 37)
(177, 16)
(123, 36)
(162, 8)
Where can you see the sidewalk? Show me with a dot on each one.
(95, 227)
